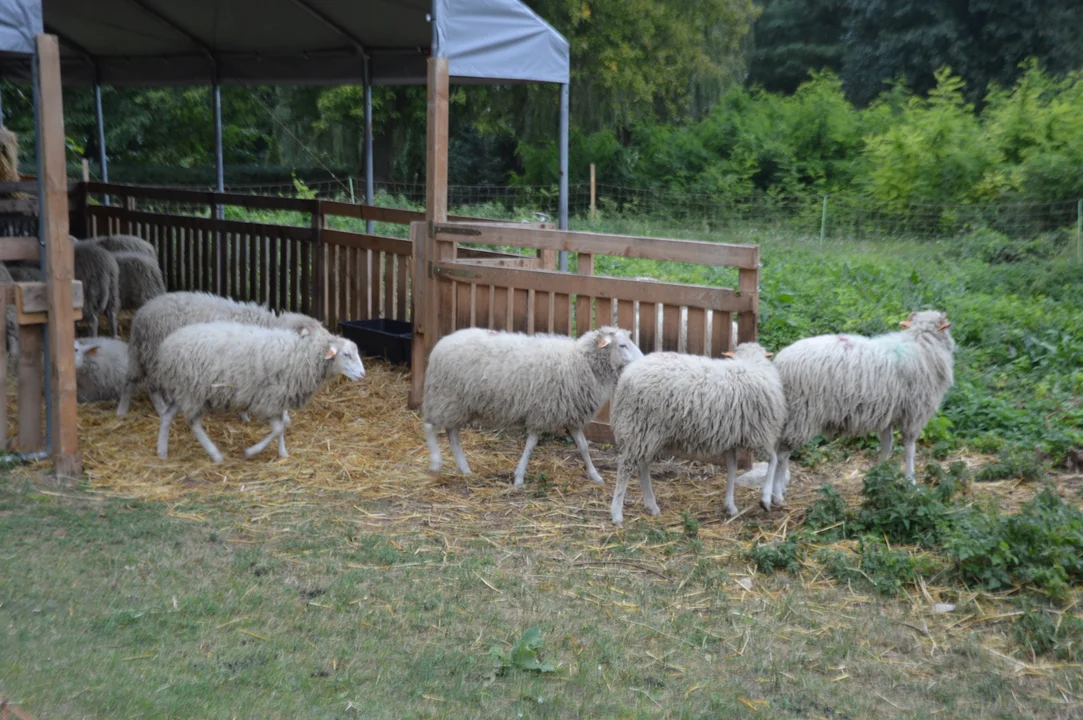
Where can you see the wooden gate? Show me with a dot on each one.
(457, 293)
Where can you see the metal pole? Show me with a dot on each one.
(368, 144)
(593, 193)
(103, 159)
(562, 202)
(1, 107)
(42, 262)
(823, 221)
(219, 168)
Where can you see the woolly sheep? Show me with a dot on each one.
(694, 406)
(97, 269)
(264, 371)
(25, 273)
(140, 279)
(851, 385)
(547, 383)
(153, 322)
(101, 365)
(124, 244)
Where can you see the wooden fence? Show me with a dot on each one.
(459, 293)
(333, 275)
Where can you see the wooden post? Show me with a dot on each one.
(319, 264)
(3, 378)
(593, 195)
(59, 261)
(86, 170)
(431, 297)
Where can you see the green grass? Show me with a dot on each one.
(114, 608)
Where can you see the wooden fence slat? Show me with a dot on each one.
(531, 299)
(697, 331)
(389, 285)
(603, 312)
(519, 311)
(363, 276)
(543, 306)
(721, 332)
(463, 305)
(500, 308)
(254, 246)
(562, 313)
(374, 285)
(274, 268)
(309, 304)
(626, 316)
(401, 264)
(31, 377)
(671, 328)
(648, 327)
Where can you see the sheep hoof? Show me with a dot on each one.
(596, 478)
(518, 482)
(765, 505)
(654, 510)
(732, 511)
(217, 459)
(434, 469)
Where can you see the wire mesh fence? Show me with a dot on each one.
(736, 216)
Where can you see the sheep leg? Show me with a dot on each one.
(435, 461)
(157, 401)
(731, 481)
(92, 324)
(887, 442)
(245, 417)
(457, 450)
(113, 320)
(167, 416)
(201, 435)
(649, 500)
(282, 446)
(782, 478)
(911, 445)
(520, 469)
(126, 399)
(770, 482)
(616, 509)
(277, 429)
(584, 450)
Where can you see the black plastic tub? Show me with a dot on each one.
(388, 339)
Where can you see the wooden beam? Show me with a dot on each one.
(31, 302)
(31, 375)
(436, 139)
(691, 251)
(59, 259)
(19, 248)
(659, 293)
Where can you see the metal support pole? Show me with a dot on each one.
(562, 201)
(103, 158)
(368, 145)
(220, 184)
(823, 221)
(1, 107)
(43, 262)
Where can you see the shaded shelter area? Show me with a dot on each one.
(294, 42)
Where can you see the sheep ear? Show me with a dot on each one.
(768, 353)
(304, 332)
(331, 352)
(728, 354)
(603, 341)
(92, 350)
(905, 323)
(944, 326)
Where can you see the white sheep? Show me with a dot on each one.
(101, 366)
(124, 243)
(25, 273)
(140, 279)
(694, 406)
(849, 385)
(97, 269)
(263, 371)
(547, 383)
(153, 322)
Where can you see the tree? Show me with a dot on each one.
(794, 37)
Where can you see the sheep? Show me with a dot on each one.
(547, 383)
(97, 269)
(231, 366)
(124, 244)
(26, 273)
(101, 366)
(851, 385)
(140, 279)
(153, 322)
(11, 328)
(694, 406)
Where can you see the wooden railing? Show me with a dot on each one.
(454, 293)
(333, 275)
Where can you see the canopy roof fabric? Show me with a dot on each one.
(289, 42)
(20, 21)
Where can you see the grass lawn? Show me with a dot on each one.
(211, 608)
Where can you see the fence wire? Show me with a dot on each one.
(742, 216)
